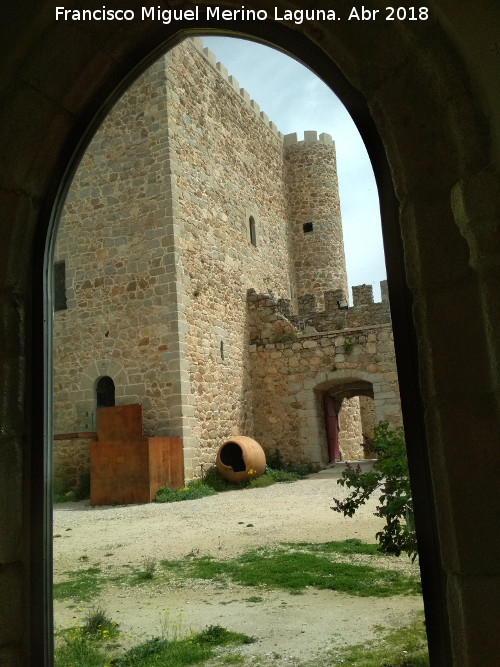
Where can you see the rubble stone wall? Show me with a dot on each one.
(119, 280)
(72, 459)
(291, 370)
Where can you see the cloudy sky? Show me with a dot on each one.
(296, 100)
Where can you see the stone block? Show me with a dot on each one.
(310, 136)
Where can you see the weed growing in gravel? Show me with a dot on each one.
(148, 569)
(98, 624)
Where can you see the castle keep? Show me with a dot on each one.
(200, 272)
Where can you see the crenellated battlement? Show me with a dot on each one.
(271, 317)
(310, 137)
(233, 83)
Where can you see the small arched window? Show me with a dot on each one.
(253, 233)
(105, 392)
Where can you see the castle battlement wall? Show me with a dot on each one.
(291, 370)
(272, 318)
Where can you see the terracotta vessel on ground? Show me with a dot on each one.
(240, 458)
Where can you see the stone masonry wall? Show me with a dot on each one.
(156, 237)
(228, 166)
(120, 281)
(72, 459)
(351, 430)
(291, 370)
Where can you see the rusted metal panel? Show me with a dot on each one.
(132, 471)
(120, 422)
(166, 464)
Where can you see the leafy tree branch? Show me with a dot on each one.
(389, 475)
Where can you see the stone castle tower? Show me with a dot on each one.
(199, 262)
(314, 214)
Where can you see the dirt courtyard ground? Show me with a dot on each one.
(295, 627)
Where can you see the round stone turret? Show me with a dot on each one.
(314, 213)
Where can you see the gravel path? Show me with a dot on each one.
(225, 525)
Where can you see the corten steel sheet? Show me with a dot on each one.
(120, 422)
(166, 464)
(132, 471)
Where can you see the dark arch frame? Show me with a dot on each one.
(400, 297)
(54, 84)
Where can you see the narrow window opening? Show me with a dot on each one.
(60, 302)
(105, 392)
(253, 236)
(222, 350)
(307, 227)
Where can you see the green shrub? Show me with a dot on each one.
(390, 475)
(348, 346)
(60, 483)
(215, 481)
(194, 490)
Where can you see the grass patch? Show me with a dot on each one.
(214, 480)
(77, 649)
(347, 547)
(272, 476)
(86, 646)
(82, 585)
(194, 490)
(294, 571)
(292, 567)
(194, 649)
(404, 647)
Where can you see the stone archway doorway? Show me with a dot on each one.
(349, 418)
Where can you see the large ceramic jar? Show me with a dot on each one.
(240, 458)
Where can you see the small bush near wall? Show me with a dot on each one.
(390, 474)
